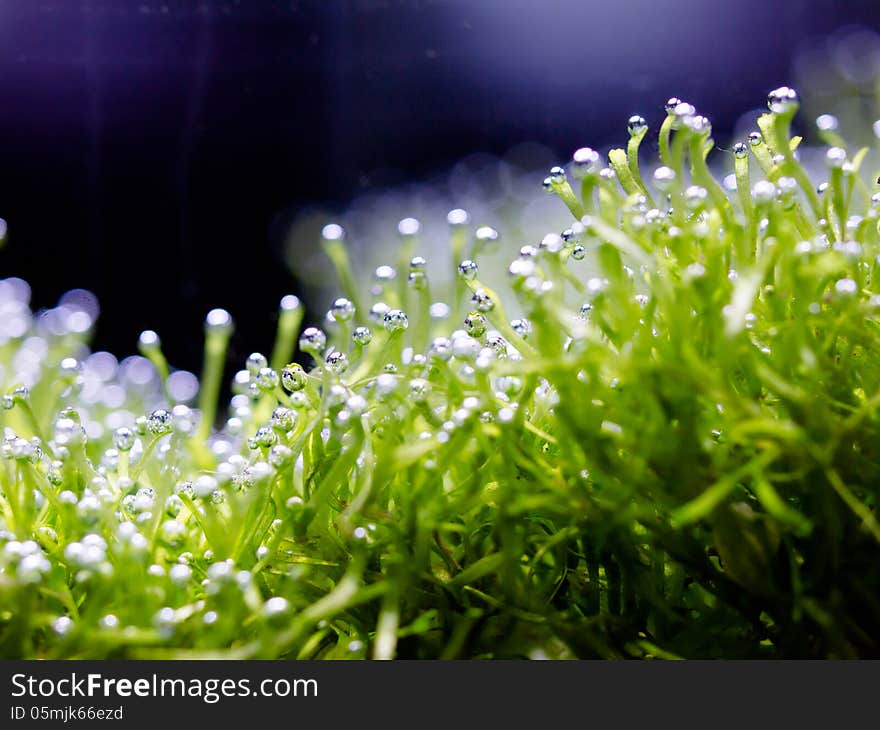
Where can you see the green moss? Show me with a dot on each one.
(675, 454)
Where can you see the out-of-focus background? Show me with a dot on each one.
(176, 155)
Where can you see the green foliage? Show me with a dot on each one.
(676, 453)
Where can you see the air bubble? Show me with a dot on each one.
(160, 422)
(835, 157)
(458, 217)
(522, 327)
(584, 161)
(846, 287)
(476, 324)
(764, 192)
(362, 336)
(123, 439)
(826, 123)
(333, 232)
(256, 361)
(218, 320)
(312, 341)
(755, 139)
(482, 301)
(782, 100)
(635, 125)
(336, 362)
(557, 175)
(266, 380)
(664, 178)
(467, 269)
(395, 320)
(408, 227)
(671, 103)
(485, 236)
(740, 150)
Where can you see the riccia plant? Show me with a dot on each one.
(675, 452)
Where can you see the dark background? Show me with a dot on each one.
(153, 152)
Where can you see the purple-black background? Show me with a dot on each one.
(154, 151)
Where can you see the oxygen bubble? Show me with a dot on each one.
(256, 361)
(782, 100)
(521, 268)
(585, 311)
(62, 625)
(417, 264)
(417, 280)
(283, 418)
(695, 196)
(636, 125)
(289, 303)
(578, 252)
(419, 390)
(408, 227)
(385, 273)
(557, 175)
(740, 150)
(476, 324)
(875, 201)
(664, 178)
(179, 574)
(607, 174)
(458, 217)
(7, 402)
(482, 301)
(378, 311)
(584, 161)
(876, 129)
(264, 438)
(299, 401)
(21, 394)
(835, 157)
(441, 348)
(218, 496)
(312, 341)
(671, 103)
(218, 320)
(342, 309)
(362, 336)
(552, 242)
(764, 192)
(266, 380)
(522, 327)
(385, 385)
(547, 185)
(160, 422)
(123, 439)
(822, 187)
(67, 432)
(395, 320)
(280, 456)
(333, 232)
(755, 139)
(683, 111)
(276, 607)
(846, 287)
(336, 362)
(826, 123)
(467, 269)
(465, 347)
(486, 235)
(182, 386)
(149, 340)
(699, 125)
